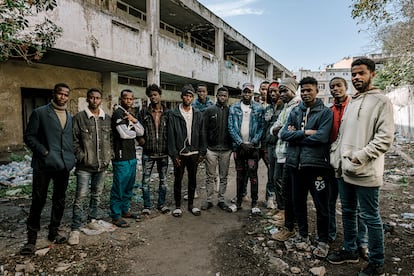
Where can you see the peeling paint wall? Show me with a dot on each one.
(15, 75)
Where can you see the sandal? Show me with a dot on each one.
(195, 211)
(164, 209)
(120, 223)
(28, 249)
(177, 213)
(322, 250)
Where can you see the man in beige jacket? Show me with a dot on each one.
(366, 133)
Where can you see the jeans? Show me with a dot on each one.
(41, 180)
(124, 173)
(222, 160)
(316, 181)
(368, 200)
(162, 166)
(279, 175)
(191, 163)
(362, 239)
(94, 180)
(246, 167)
(271, 180)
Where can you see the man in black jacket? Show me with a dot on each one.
(218, 142)
(92, 141)
(49, 137)
(185, 147)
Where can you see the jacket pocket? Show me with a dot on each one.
(52, 161)
(356, 170)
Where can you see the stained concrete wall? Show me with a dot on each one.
(15, 75)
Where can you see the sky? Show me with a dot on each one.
(299, 34)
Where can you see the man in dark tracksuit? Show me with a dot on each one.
(307, 131)
(185, 147)
(49, 137)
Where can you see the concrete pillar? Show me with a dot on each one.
(110, 90)
(251, 65)
(219, 51)
(270, 72)
(153, 22)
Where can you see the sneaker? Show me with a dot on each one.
(373, 270)
(223, 206)
(321, 251)
(245, 198)
(256, 211)
(73, 238)
(279, 216)
(93, 225)
(343, 256)
(270, 203)
(234, 199)
(284, 235)
(206, 205)
(146, 212)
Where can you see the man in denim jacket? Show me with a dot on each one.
(246, 122)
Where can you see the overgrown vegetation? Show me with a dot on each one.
(22, 35)
(392, 23)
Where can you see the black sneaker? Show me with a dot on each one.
(343, 256)
(223, 206)
(373, 270)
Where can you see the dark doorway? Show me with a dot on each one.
(31, 99)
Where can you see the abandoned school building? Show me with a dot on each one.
(112, 45)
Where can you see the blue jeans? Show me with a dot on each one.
(124, 173)
(162, 166)
(362, 239)
(222, 160)
(246, 168)
(96, 182)
(368, 200)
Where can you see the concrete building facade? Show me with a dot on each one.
(112, 45)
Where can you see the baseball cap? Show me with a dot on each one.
(248, 85)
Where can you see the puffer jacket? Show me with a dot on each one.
(92, 141)
(256, 124)
(313, 150)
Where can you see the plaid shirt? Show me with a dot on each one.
(155, 139)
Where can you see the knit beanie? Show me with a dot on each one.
(289, 83)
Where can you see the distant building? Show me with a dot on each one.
(112, 45)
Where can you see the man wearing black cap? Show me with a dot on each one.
(246, 121)
(185, 147)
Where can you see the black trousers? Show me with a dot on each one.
(41, 180)
(191, 163)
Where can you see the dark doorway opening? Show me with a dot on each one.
(33, 98)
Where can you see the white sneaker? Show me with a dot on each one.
(256, 211)
(73, 238)
(94, 225)
(270, 203)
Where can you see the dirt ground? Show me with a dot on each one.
(215, 243)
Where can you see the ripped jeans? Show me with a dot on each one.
(147, 166)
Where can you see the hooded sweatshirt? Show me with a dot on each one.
(367, 132)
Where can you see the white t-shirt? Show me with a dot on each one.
(245, 126)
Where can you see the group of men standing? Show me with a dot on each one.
(292, 136)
